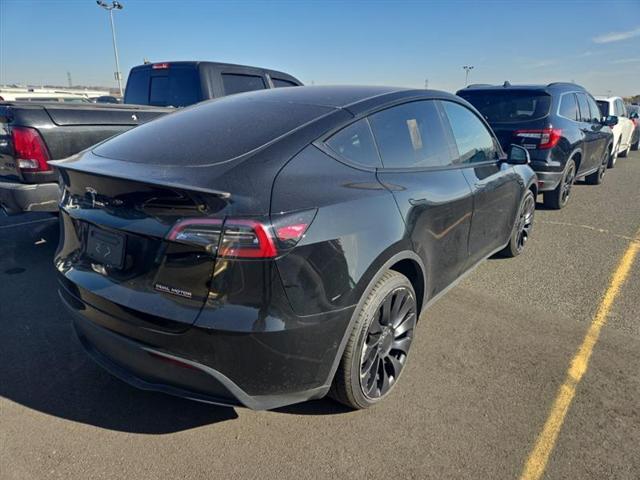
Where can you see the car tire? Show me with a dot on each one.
(626, 152)
(558, 197)
(613, 157)
(597, 177)
(634, 147)
(522, 227)
(378, 345)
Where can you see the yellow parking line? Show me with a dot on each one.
(545, 443)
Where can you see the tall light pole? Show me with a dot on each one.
(115, 5)
(467, 69)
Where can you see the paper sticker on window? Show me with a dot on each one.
(414, 133)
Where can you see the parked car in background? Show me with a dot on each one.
(105, 99)
(634, 116)
(26, 95)
(33, 133)
(274, 246)
(560, 125)
(179, 84)
(623, 131)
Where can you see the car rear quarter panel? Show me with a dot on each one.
(356, 229)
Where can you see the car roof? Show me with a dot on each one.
(351, 97)
(605, 98)
(196, 63)
(506, 86)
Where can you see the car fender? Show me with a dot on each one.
(370, 279)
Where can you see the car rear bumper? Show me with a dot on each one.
(21, 197)
(548, 180)
(186, 364)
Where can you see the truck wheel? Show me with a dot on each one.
(558, 198)
(377, 349)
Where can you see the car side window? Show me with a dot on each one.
(596, 114)
(412, 135)
(236, 83)
(474, 141)
(279, 82)
(569, 107)
(355, 143)
(585, 115)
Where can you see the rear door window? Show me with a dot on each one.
(604, 107)
(277, 82)
(412, 135)
(569, 107)
(356, 143)
(474, 141)
(235, 83)
(585, 114)
(509, 106)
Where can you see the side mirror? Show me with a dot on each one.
(611, 121)
(518, 155)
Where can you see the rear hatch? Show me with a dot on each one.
(142, 214)
(116, 247)
(516, 116)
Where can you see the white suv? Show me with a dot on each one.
(623, 131)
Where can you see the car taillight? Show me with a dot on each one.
(160, 66)
(548, 137)
(244, 237)
(30, 151)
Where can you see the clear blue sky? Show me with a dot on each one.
(594, 43)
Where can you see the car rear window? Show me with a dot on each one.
(234, 83)
(176, 86)
(209, 133)
(511, 106)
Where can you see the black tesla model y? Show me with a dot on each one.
(275, 246)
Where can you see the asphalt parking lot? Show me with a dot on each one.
(482, 378)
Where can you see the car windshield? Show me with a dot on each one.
(509, 107)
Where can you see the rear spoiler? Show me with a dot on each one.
(161, 176)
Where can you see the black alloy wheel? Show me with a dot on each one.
(525, 222)
(522, 227)
(567, 183)
(378, 346)
(389, 336)
(596, 178)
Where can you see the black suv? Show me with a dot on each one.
(559, 123)
(268, 246)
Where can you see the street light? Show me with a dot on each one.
(115, 5)
(467, 69)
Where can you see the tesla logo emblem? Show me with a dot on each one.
(134, 117)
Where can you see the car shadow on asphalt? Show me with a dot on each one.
(43, 366)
